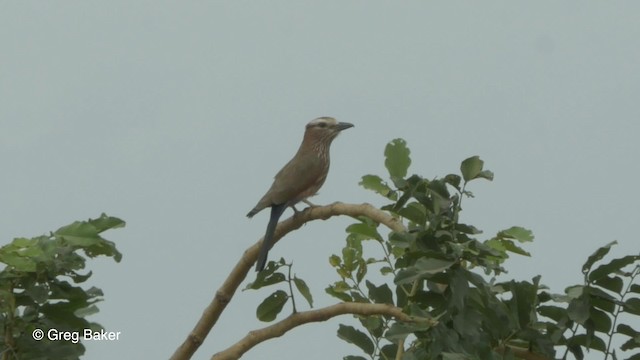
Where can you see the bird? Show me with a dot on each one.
(300, 178)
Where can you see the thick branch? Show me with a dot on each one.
(280, 328)
(225, 293)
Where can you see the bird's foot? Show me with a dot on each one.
(312, 205)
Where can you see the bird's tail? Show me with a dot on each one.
(267, 242)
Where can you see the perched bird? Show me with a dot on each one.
(301, 178)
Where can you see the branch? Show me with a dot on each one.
(280, 328)
(225, 293)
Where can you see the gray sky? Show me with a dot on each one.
(175, 116)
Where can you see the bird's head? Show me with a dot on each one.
(325, 129)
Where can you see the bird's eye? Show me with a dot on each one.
(322, 125)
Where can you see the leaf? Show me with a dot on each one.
(85, 235)
(614, 283)
(601, 321)
(597, 256)
(423, 268)
(517, 233)
(399, 331)
(613, 266)
(271, 306)
(453, 180)
(402, 239)
(552, 312)
(510, 246)
(432, 265)
(380, 294)
(18, 262)
(471, 168)
(304, 290)
(627, 330)
(376, 184)
(397, 158)
(414, 212)
(339, 294)
(578, 309)
(84, 312)
(105, 222)
(356, 337)
(365, 231)
(632, 306)
(374, 325)
(583, 340)
(267, 277)
(485, 174)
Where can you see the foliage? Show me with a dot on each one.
(434, 266)
(38, 289)
(272, 305)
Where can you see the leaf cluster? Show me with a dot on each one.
(438, 269)
(38, 288)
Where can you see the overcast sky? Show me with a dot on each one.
(174, 116)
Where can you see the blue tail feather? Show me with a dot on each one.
(267, 242)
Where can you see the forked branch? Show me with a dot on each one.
(225, 293)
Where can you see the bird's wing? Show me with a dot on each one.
(295, 179)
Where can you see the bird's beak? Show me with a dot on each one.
(343, 125)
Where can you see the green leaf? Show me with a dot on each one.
(338, 293)
(631, 344)
(365, 231)
(389, 351)
(552, 312)
(432, 265)
(414, 212)
(578, 309)
(18, 262)
(105, 222)
(402, 239)
(380, 294)
(84, 312)
(635, 288)
(271, 306)
(399, 331)
(356, 337)
(353, 357)
(614, 283)
(627, 330)
(632, 306)
(304, 290)
(591, 342)
(423, 268)
(471, 168)
(597, 256)
(510, 246)
(634, 335)
(85, 235)
(397, 158)
(374, 324)
(453, 180)
(376, 184)
(601, 321)
(485, 174)
(517, 233)
(267, 277)
(613, 266)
